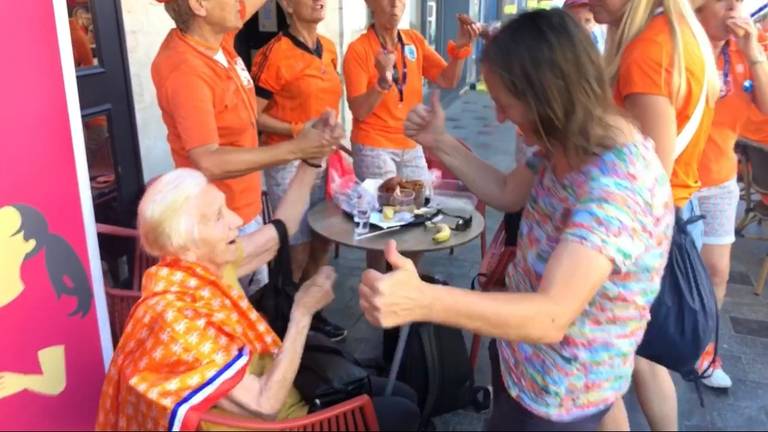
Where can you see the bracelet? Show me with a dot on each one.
(312, 164)
(296, 129)
(459, 53)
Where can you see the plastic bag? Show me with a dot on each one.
(351, 195)
(341, 175)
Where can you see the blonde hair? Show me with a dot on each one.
(166, 224)
(181, 13)
(680, 14)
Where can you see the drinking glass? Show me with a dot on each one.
(405, 201)
(362, 217)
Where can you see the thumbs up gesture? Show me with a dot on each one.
(426, 124)
(395, 298)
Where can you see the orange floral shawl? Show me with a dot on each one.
(187, 343)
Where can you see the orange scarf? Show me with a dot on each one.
(187, 343)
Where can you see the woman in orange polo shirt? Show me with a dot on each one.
(384, 71)
(207, 100)
(663, 71)
(744, 75)
(296, 81)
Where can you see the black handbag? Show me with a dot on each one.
(329, 375)
(684, 316)
(275, 300)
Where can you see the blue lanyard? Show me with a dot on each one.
(399, 79)
(727, 87)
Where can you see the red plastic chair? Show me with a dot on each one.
(121, 301)
(491, 275)
(435, 163)
(353, 415)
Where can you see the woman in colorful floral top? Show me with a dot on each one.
(594, 239)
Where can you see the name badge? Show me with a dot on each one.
(242, 71)
(410, 52)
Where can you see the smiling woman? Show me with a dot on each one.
(296, 78)
(194, 313)
(193, 342)
(593, 239)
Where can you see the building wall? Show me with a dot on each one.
(146, 25)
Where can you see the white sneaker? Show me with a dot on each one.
(719, 379)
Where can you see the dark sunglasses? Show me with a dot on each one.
(462, 224)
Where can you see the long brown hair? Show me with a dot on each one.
(547, 61)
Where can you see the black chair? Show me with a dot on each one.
(753, 172)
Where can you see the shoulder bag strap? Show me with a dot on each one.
(689, 130)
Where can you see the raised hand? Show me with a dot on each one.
(468, 30)
(385, 62)
(395, 298)
(426, 125)
(745, 32)
(316, 142)
(316, 293)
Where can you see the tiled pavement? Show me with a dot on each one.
(745, 406)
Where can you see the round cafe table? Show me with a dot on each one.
(329, 221)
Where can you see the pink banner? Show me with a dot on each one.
(51, 363)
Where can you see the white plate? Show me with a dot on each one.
(400, 219)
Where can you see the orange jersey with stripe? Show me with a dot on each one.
(384, 127)
(299, 82)
(647, 68)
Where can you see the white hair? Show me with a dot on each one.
(166, 225)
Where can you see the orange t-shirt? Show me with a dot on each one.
(207, 100)
(755, 128)
(718, 162)
(299, 83)
(384, 127)
(646, 68)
